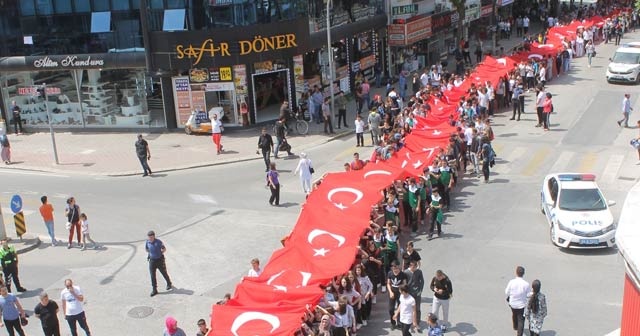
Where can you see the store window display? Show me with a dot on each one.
(83, 98)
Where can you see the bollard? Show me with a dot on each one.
(21, 226)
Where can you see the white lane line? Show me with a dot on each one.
(562, 162)
(33, 173)
(87, 151)
(510, 160)
(612, 168)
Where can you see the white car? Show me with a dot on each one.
(578, 214)
(624, 66)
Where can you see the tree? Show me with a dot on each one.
(460, 7)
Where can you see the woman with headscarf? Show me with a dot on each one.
(172, 329)
(6, 147)
(305, 169)
(536, 309)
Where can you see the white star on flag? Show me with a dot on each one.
(320, 252)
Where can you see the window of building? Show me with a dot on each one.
(173, 19)
(63, 6)
(121, 5)
(157, 4)
(220, 16)
(100, 22)
(101, 5)
(82, 6)
(44, 7)
(27, 8)
(175, 4)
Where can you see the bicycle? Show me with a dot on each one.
(300, 125)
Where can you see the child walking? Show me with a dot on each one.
(84, 224)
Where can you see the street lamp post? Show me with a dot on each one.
(330, 56)
(53, 135)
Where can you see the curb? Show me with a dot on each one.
(336, 136)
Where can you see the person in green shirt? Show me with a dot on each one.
(437, 217)
(446, 180)
(413, 196)
(9, 259)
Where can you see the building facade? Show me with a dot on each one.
(109, 64)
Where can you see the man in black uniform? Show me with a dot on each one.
(17, 119)
(143, 153)
(265, 144)
(9, 259)
(155, 249)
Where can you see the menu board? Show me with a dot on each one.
(182, 98)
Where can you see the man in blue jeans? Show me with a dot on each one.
(72, 300)
(143, 153)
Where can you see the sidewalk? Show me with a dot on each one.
(113, 154)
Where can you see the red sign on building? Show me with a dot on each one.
(409, 33)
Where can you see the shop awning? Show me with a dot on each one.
(71, 62)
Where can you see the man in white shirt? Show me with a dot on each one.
(525, 25)
(424, 78)
(406, 312)
(72, 299)
(516, 291)
(539, 104)
(255, 270)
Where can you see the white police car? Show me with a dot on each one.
(578, 214)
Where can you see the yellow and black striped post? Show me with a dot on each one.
(21, 226)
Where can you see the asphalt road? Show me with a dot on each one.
(214, 220)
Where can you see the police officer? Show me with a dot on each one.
(156, 250)
(9, 259)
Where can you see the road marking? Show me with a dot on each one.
(88, 151)
(562, 162)
(203, 199)
(537, 159)
(23, 172)
(587, 162)
(612, 168)
(509, 159)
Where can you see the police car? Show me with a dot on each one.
(578, 214)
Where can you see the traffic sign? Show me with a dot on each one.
(21, 226)
(16, 204)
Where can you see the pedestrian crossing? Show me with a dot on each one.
(521, 162)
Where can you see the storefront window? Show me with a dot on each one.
(271, 86)
(116, 98)
(85, 98)
(175, 4)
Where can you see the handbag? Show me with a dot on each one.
(284, 146)
(311, 170)
(635, 143)
(68, 225)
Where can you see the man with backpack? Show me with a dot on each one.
(488, 157)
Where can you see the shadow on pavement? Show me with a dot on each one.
(288, 204)
(177, 291)
(158, 175)
(30, 293)
(498, 180)
(548, 333)
(591, 252)
(464, 328)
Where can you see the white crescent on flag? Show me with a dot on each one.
(245, 317)
(354, 191)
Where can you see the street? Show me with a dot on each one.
(214, 220)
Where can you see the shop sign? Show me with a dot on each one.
(70, 61)
(33, 91)
(298, 72)
(240, 75)
(471, 14)
(404, 10)
(218, 87)
(355, 66)
(486, 10)
(419, 29)
(182, 99)
(367, 62)
(455, 17)
(396, 34)
(261, 67)
(198, 75)
(440, 22)
(257, 45)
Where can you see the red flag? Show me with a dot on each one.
(251, 293)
